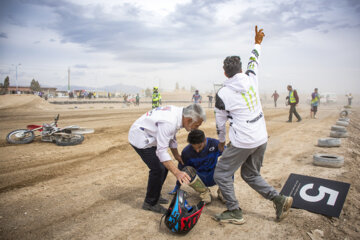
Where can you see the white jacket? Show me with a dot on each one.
(157, 128)
(239, 102)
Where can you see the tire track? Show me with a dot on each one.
(45, 172)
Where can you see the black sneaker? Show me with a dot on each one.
(156, 208)
(299, 120)
(163, 201)
(288, 121)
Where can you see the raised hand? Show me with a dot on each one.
(258, 35)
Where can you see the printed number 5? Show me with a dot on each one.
(322, 190)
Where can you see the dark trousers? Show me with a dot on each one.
(293, 110)
(157, 174)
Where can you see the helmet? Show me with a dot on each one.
(155, 88)
(180, 217)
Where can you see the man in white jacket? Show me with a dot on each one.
(238, 102)
(151, 135)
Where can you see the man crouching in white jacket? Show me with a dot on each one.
(239, 102)
(151, 135)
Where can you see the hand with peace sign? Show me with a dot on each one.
(258, 35)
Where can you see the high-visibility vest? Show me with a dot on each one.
(156, 97)
(291, 97)
(315, 100)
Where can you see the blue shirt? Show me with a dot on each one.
(204, 162)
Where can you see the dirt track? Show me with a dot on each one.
(95, 190)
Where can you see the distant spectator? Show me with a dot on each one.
(293, 100)
(315, 101)
(275, 96)
(349, 97)
(137, 103)
(156, 98)
(210, 100)
(196, 97)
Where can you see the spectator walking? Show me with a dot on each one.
(293, 100)
(315, 101)
(275, 96)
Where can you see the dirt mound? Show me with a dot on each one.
(23, 102)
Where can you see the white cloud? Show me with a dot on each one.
(143, 43)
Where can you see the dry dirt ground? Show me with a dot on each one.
(95, 190)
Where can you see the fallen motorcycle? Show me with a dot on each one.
(67, 136)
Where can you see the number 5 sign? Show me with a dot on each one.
(316, 194)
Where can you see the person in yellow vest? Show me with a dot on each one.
(315, 101)
(156, 98)
(293, 100)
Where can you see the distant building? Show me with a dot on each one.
(27, 90)
(20, 89)
(49, 91)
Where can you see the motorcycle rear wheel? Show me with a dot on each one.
(72, 140)
(20, 136)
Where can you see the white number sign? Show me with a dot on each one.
(322, 190)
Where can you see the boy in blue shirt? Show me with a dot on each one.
(199, 161)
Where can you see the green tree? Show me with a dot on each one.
(4, 87)
(35, 86)
(6, 82)
(148, 92)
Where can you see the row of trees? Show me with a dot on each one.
(34, 86)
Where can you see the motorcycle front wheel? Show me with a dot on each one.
(20, 136)
(69, 140)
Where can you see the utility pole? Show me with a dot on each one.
(16, 67)
(68, 79)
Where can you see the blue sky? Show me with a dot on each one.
(144, 43)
